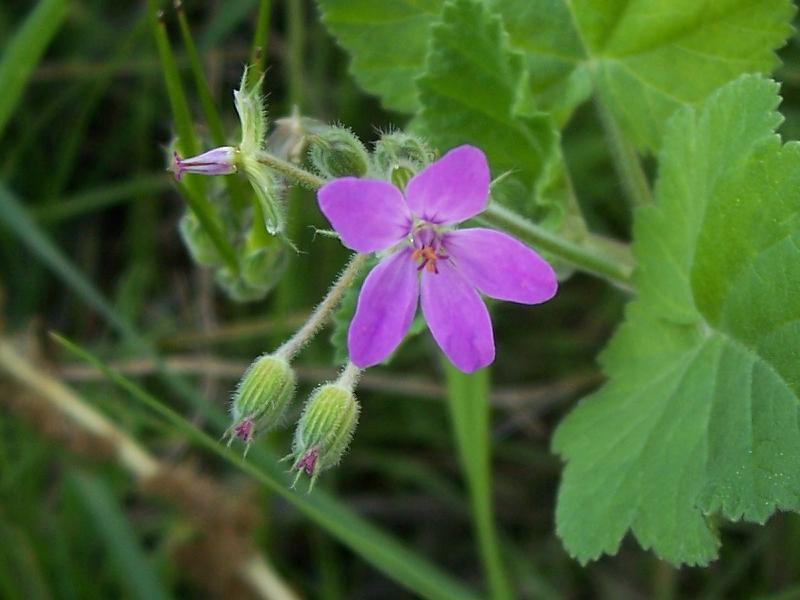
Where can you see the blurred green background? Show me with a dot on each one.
(89, 248)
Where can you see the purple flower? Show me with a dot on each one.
(427, 258)
(219, 161)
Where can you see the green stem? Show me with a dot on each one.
(349, 376)
(626, 160)
(296, 40)
(592, 257)
(210, 111)
(187, 141)
(258, 54)
(291, 171)
(324, 310)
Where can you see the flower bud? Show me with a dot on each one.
(262, 397)
(324, 431)
(337, 152)
(401, 150)
(219, 161)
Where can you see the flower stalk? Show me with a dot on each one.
(322, 313)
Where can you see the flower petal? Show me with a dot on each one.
(500, 266)
(457, 318)
(386, 307)
(452, 189)
(368, 214)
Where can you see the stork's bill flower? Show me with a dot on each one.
(425, 258)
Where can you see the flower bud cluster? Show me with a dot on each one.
(325, 427)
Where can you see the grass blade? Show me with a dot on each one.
(468, 401)
(133, 568)
(102, 197)
(373, 545)
(23, 52)
(258, 54)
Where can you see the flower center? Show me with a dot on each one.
(427, 249)
(426, 256)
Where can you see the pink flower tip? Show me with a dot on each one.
(308, 462)
(244, 430)
(219, 161)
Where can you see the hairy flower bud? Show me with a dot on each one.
(337, 152)
(401, 150)
(324, 431)
(262, 397)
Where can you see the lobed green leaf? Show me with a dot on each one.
(700, 415)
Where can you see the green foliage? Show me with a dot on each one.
(22, 53)
(643, 59)
(120, 540)
(700, 416)
(388, 41)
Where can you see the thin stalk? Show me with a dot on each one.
(258, 54)
(291, 171)
(468, 402)
(210, 111)
(626, 160)
(296, 40)
(349, 376)
(371, 543)
(324, 310)
(188, 144)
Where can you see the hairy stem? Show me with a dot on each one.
(324, 310)
(349, 376)
(291, 171)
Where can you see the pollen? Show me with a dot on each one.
(428, 257)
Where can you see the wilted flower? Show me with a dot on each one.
(219, 161)
(427, 257)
